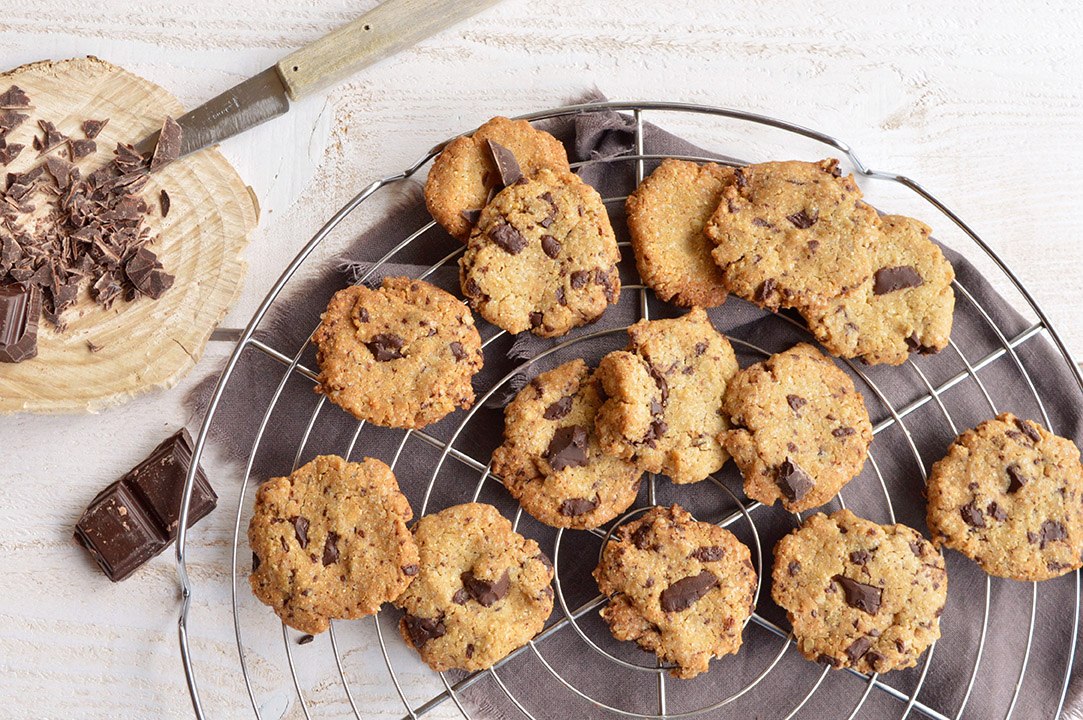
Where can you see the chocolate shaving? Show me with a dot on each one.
(859, 595)
(169, 144)
(9, 152)
(483, 591)
(504, 160)
(890, 279)
(793, 481)
(164, 203)
(92, 128)
(568, 448)
(577, 506)
(421, 630)
(682, 594)
(20, 310)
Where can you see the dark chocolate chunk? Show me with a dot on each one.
(559, 409)
(656, 407)
(544, 560)
(660, 381)
(765, 291)
(997, 512)
(20, 312)
(577, 506)
(860, 557)
(914, 345)
(507, 167)
(915, 548)
(330, 549)
(11, 120)
(410, 570)
(828, 660)
(305, 639)
(385, 346)
(641, 538)
(859, 595)
(796, 402)
(802, 220)
(656, 430)
(972, 515)
(760, 222)
(460, 597)
(568, 448)
(843, 432)
(858, 648)
(874, 659)
(793, 481)
(579, 278)
(137, 517)
(1016, 479)
(9, 152)
(483, 591)
(169, 144)
(682, 594)
(471, 216)
(164, 203)
(457, 350)
(508, 238)
(561, 298)
(708, 553)
(793, 568)
(609, 287)
(421, 630)
(1051, 531)
(890, 279)
(53, 137)
(81, 148)
(91, 128)
(300, 529)
(536, 319)
(1027, 429)
(14, 97)
(550, 246)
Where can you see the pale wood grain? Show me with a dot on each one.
(983, 107)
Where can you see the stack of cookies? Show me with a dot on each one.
(331, 541)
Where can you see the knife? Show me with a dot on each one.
(383, 31)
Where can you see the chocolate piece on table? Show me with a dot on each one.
(137, 517)
(169, 144)
(20, 310)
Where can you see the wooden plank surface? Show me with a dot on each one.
(984, 108)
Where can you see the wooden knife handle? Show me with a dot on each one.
(391, 26)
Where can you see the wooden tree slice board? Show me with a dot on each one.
(146, 344)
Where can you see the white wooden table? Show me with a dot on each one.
(985, 107)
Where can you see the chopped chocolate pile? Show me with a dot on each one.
(60, 230)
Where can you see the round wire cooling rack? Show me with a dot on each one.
(575, 618)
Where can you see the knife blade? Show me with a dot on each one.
(383, 31)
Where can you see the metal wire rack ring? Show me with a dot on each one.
(745, 509)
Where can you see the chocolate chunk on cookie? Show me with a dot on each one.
(1008, 495)
(542, 257)
(859, 594)
(465, 174)
(792, 234)
(665, 397)
(551, 461)
(666, 217)
(330, 541)
(481, 590)
(680, 588)
(800, 428)
(905, 306)
(399, 356)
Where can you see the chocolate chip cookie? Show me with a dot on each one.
(666, 216)
(330, 541)
(399, 356)
(678, 587)
(482, 589)
(1008, 495)
(542, 257)
(800, 429)
(905, 306)
(858, 594)
(465, 174)
(792, 234)
(551, 461)
(664, 410)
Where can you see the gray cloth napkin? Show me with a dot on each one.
(600, 135)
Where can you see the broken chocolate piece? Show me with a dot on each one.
(793, 568)
(682, 594)
(410, 570)
(843, 432)
(457, 350)
(801, 220)
(860, 557)
(577, 506)
(568, 448)
(385, 346)
(471, 216)
(169, 144)
(91, 128)
(559, 409)
(137, 517)
(550, 246)
(793, 481)
(765, 291)
(997, 512)
(81, 148)
(972, 515)
(858, 648)
(859, 595)
(796, 402)
(641, 538)
(508, 238)
(305, 639)
(483, 591)
(421, 630)
(300, 529)
(330, 549)
(579, 278)
(20, 312)
(536, 319)
(890, 279)
(9, 152)
(507, 167)
(11, 120)
(1027, 429)
(14, 97)
(1051, 531)
(1016, 479)
(708, 553)
(460, 597)
(53, 137)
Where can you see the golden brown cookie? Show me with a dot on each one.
(678, 587)
(666, 217)
(858, 594)
(543, 256)
(399, 356)
(800, 429)
(905, 306)
(464, 174)
(330, 541)
(792, 234)
(482, 590)
(551, 461)
(1008, 496)
(664, 410)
